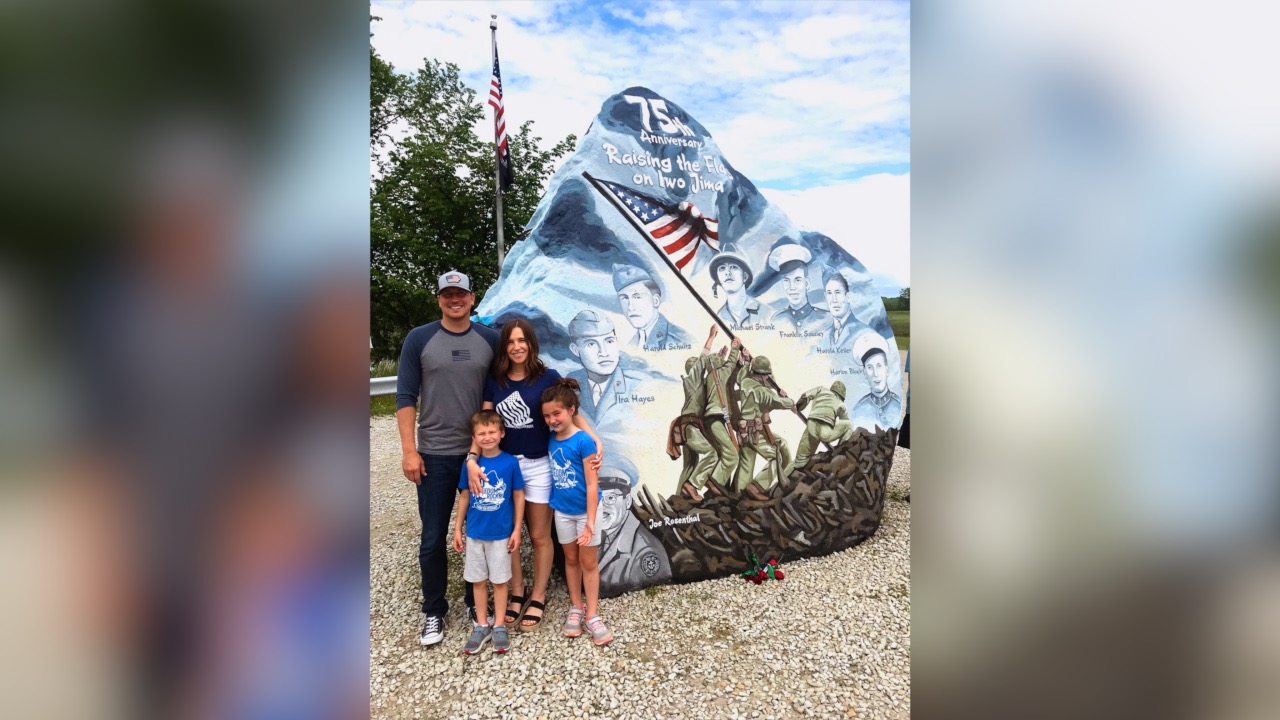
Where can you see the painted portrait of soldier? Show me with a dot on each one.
(787, 268)
(731, 273)
(630, 556)
(602, 380)
(639, 300)
(844, 327)
(881, 404)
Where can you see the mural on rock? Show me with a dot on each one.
(741, 373)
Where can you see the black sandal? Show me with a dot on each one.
(513, 616)
(533, 605)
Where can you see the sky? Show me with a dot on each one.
(811, 101)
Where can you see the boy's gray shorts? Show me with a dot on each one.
(487, 560)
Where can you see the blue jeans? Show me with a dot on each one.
(437, 495)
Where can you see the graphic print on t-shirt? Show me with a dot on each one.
(493, 494)
(562, 473)
(515, 414)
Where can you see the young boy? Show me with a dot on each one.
(493, 530)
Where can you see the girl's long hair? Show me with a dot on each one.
(533, 366)
(565, 392)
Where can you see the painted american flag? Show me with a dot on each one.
(678, 229)
(499, 124)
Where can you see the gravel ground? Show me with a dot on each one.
(831, 640)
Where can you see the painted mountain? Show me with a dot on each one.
(741, 373)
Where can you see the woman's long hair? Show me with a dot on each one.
(533, 366)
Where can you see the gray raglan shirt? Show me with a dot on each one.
(448, 370)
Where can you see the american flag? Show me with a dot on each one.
(678, 229)
(499, 123)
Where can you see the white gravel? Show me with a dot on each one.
(831, 640)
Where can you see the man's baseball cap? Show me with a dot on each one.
(454, 279)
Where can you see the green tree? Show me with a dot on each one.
(905, 297)
(432, 197)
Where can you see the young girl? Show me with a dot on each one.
(575, 498)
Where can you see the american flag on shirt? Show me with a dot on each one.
(678, 229)
(499, 124)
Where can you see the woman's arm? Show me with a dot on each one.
(591, 461)
(474, 474)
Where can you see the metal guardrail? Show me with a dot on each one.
(382, 386)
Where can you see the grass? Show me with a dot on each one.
(900, 321)
(383, 404)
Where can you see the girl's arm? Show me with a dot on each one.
(593, 491)
(593, 461)
(474, 474)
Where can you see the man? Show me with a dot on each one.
(602, 381)
(630, 556)
(828, 422)
(844, 326)
(881, 404)
(444, 363)
(788, 267)
(755, 400)
(685, 437)
(639, 296)
(730, 270)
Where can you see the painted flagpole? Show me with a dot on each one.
(696, 295)
(497, 150)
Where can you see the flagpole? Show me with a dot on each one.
(696, 295)
(497, 151)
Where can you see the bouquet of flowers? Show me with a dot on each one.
(758, 573)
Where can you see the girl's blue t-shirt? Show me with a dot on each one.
(520, 405)
(568, 478)
(492, 514)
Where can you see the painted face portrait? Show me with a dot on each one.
(730, 276)
(615, 504)
(796, 285)
(837, 298)
(877, 373)
(599, 354)
(639, 304)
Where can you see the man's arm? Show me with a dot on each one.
(408, 383)
(410, 460)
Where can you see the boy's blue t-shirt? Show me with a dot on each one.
(520, 405)
(568, 478)
(492, 514)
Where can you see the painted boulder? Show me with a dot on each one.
(741, 373)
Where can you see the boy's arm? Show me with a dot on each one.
(517, 499)
(593, 460)
(593, 491)
(464, 502)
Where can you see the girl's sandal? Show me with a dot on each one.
(534, 622)
(513, 616)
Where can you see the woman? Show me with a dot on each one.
(515, 391)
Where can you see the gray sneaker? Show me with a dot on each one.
(600, 633)
(480, 634)
(501, 641)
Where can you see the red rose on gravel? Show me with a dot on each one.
(773, 563)
(778, 574)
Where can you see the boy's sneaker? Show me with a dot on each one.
(432, 631)
(480, 634)
(501, 640)
(600, 633)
